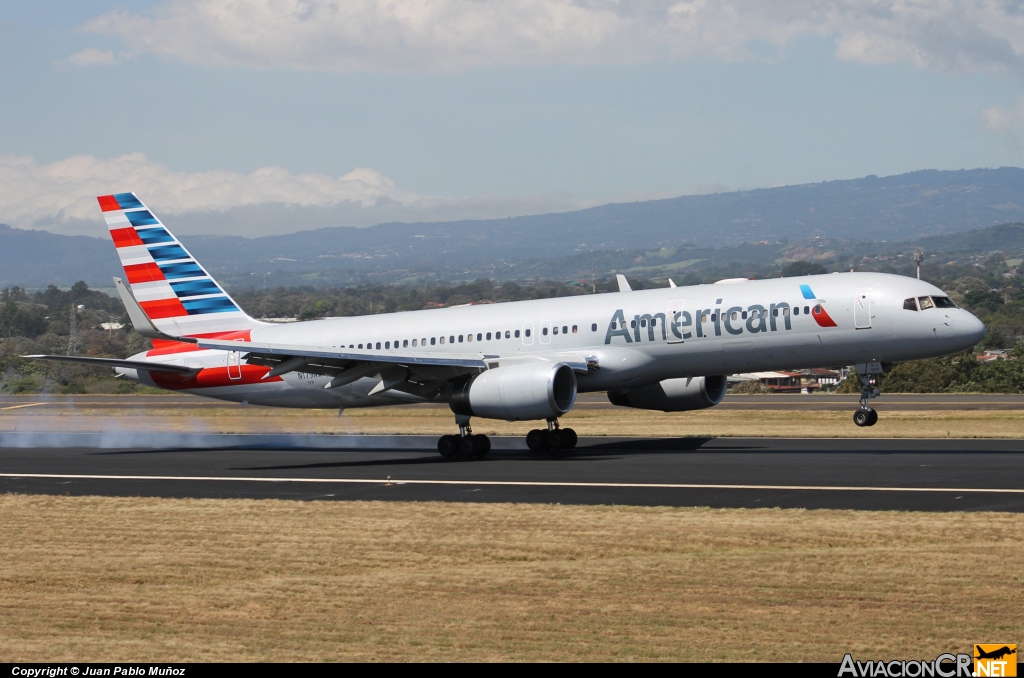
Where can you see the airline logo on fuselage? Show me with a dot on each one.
(707, 322)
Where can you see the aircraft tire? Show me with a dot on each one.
(467, 446)
(557, 440)
(447, 446)
(872, 417)
(537, 440)
(481, 445)
(569, 438)
(862, 417)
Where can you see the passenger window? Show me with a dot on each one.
(405, 343)
(593, 327)
(414, 343)
(360, 345)
(703, 317)
(807, 309)
(743, 315)
(423, 341)
(478, 336)
(796, 311)
(469, 338)
(378, 345)
(460, 338)
(387, 344)
(506, 334)
(576, 329)
(554, 330)
(432, 340)
(817, 308)
(451, 339)
(488, 336)
(527, 333)
(543, 331)
(925, 302)
(943, 302)
(910, 304)
(442, 340)
(632, 323)
(785, 311)
(643, 322)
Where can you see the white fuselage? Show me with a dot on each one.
(633, 338)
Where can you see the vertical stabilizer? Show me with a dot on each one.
(175, 292)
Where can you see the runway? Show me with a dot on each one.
(586, 401)
(886, 474)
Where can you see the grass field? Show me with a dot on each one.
(117, 579)
(437, 420)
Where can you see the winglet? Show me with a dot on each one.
(143, 325)
(623, 283)
(670, 283)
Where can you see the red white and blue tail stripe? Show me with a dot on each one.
(178, 295)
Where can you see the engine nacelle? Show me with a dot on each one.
(673, 395)
(517, 392)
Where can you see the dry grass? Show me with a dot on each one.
(103, 579)
(434, 420)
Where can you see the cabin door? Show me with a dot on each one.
(674, 319)
(862, 311)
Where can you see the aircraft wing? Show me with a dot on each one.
(279, 352)
(114, 362)
(423, 374)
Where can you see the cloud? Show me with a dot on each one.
(61, 197)
(411, 35)
(1008, 122)
(88, 57)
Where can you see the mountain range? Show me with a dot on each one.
(926, 204)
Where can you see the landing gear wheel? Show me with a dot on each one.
(481, 445)
(569, 438)
(467, 446)
(537, 440)
(865, 417)
(557, 440)
(448, 446)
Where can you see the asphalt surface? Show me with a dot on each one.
(587, 401)
(888, 474)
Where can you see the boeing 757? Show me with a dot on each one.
(667, 349)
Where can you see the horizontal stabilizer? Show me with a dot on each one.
(114, 362)
(140, 321)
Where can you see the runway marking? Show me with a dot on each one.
(17, 407)
(518, 483)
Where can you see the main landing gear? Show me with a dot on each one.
(466, 444)
(553, 439)
(866, 415)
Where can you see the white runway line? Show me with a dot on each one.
(518, 483)
(18, 407)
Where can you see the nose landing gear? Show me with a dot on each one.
(551, 440)
(466, 444)
(866, 415)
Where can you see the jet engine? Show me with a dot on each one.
(673, 395)
(517, 392)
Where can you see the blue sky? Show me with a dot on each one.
(349, 116)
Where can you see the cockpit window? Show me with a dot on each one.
(910, 304)
(926, 303)
(943, 302)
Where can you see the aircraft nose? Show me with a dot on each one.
(968, 328)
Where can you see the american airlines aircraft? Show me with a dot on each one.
(662, 349)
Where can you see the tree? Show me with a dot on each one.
(798, 268)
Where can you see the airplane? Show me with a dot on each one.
(668, 349)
